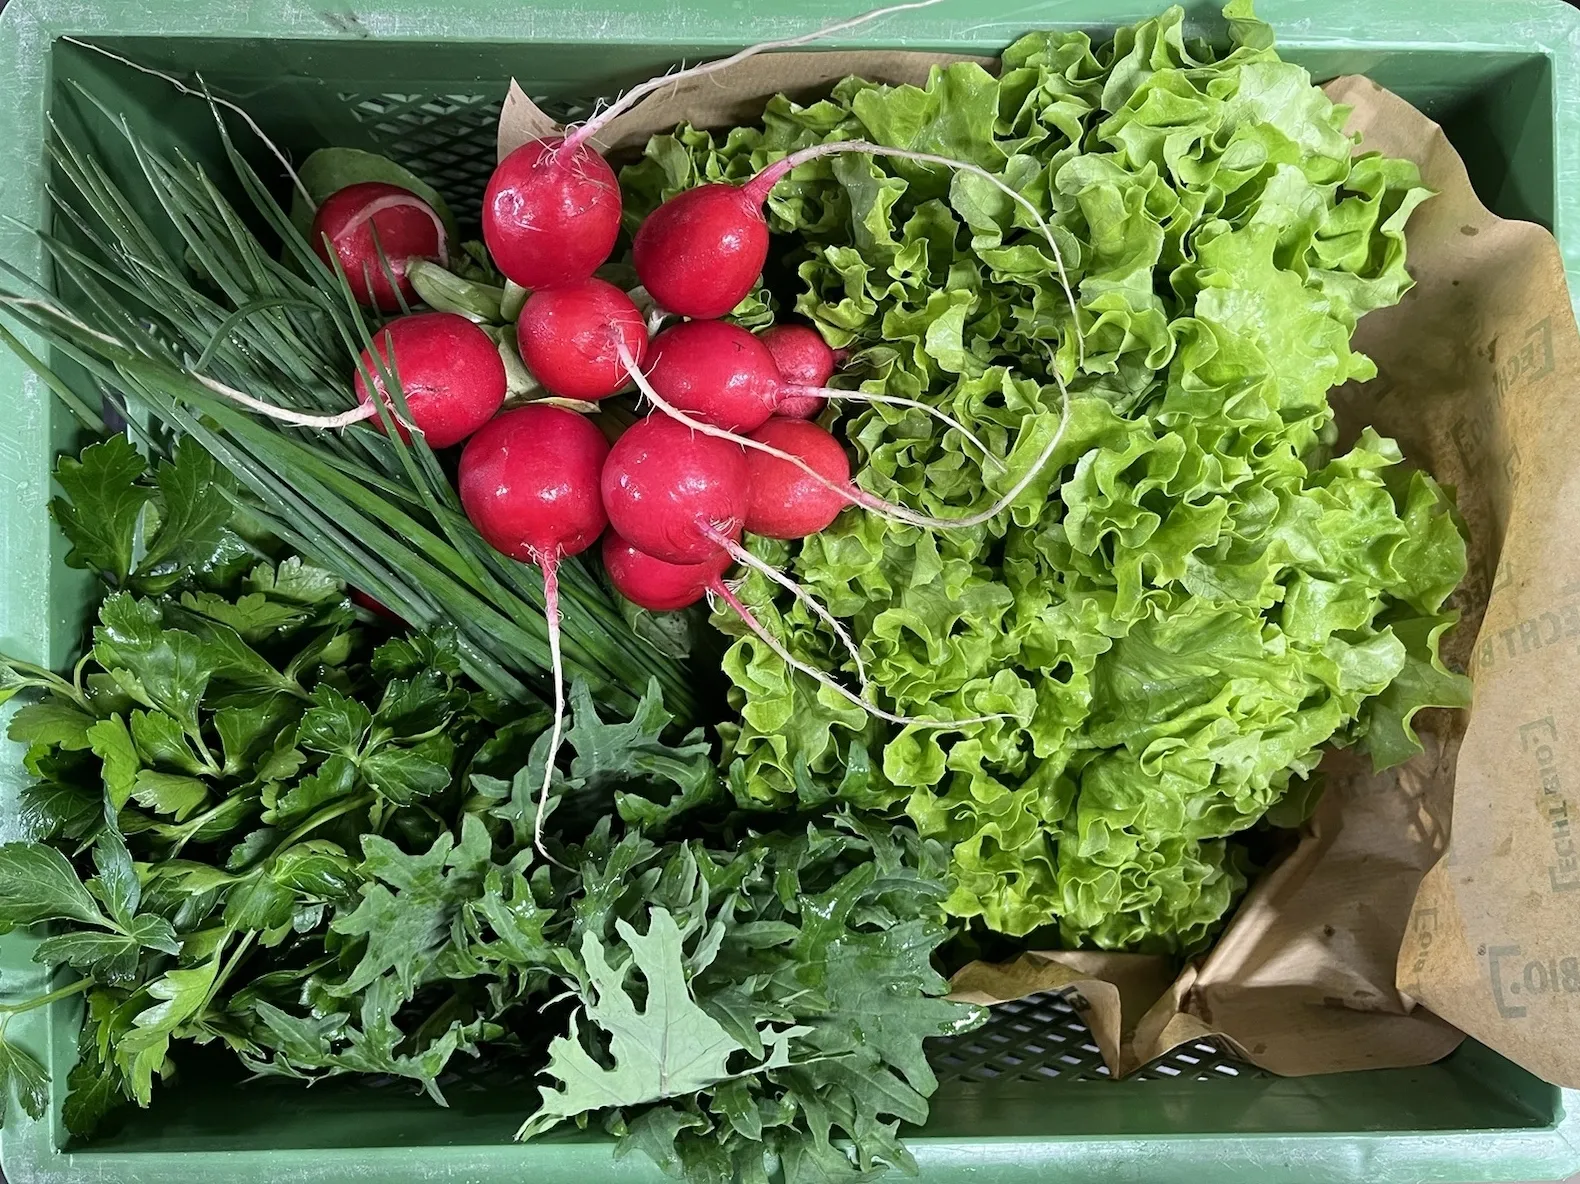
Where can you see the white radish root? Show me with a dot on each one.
(580, 135)
(722, 591)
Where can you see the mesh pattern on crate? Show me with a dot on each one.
(447, 140)
(1041, 1038)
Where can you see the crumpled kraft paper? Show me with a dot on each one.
(1442, 897)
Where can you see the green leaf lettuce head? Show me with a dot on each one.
(1197, 596)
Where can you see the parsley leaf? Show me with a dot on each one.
(22, 1072)
(103, 507)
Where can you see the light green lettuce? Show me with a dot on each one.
(1197, 596)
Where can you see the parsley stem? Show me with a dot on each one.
(227, 969)
(327, 814)
(48, 680)
(66, 992)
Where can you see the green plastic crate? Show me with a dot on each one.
(420, 80)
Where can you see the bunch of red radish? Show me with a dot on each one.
(730, 445)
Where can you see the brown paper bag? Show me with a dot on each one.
(1326, 966)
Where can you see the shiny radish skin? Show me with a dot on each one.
(784, 502)
(449, 370)
(362, 220)
(717, 372)
(529, 482)
(803, 359)
(700, 253)
(669, 489)
(570, 337)
(551, 213)
(655, 584)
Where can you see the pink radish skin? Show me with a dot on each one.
(362, 220)
(529, 483)
(785, 503)
(716, 371)
(449, 370)
(551, 213)
(803, 359)
(570, 338)
(670, 490)
(700, 252)
(654, 584)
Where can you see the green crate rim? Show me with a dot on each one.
(28, 29)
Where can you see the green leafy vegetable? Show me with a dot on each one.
(1197, 596)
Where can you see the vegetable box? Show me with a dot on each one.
(422, 83)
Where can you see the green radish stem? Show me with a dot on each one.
(575, 137)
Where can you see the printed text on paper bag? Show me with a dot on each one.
(1517, 980)
(1538, 740)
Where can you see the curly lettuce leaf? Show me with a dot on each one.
(1195, 597)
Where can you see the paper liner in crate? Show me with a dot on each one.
(1448, 887)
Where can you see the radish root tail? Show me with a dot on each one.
(551, 614)
(855, 496)
(722, 591)
(943, 417)
(746, 559)
(575, 137)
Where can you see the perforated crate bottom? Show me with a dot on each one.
(1042, 1038)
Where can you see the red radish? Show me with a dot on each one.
(449, 370)
(551, 212)
(716, 371)
(785, 503)
(363, 222)
(529, 483)
(702, 250)
(671, 491)
(804, 359)
(363, 600)
(654, 584)
(569, 338)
